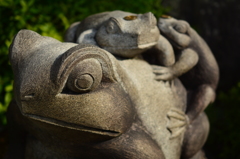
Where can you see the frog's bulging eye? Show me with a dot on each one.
(84, 82)
(112, 26)
(166, 17)
(85, 77)
(181, 28)
(130, 17)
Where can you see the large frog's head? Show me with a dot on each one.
(176, 31)
(121, 33)
(69, 86)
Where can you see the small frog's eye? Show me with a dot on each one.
(112, 26)
(130, 17)
(181, 28)
(166, 17)
(84, 79)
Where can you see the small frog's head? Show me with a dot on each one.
(129, 34)
(121, 33)
(176, 31)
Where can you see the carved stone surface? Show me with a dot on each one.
(115, 94)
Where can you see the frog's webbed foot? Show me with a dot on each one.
(163, 73)
(177, 122)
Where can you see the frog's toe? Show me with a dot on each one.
(164, 77)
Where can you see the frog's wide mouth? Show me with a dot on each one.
(141, 46)
(72, 126)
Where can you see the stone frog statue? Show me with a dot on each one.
(79, 101)
(123, 34)
(116, 31)
(200, 81)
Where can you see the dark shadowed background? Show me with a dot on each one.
(217, 21)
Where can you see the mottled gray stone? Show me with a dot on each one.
(98, 100)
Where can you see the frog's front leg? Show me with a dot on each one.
(187, 60)
(165, 53)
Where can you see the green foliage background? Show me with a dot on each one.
(53, 17)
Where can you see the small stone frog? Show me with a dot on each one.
(200, 81)
(123, 34)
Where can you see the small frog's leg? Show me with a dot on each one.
(195, 137)
(165, 51)
(163, 73)
(70, 35)
(198, 100)
(87, 37)
(187, 60)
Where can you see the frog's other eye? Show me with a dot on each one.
(112, 26)
(181, 28)
(130, 17)
(84, 79)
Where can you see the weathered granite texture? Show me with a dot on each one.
(98, 100)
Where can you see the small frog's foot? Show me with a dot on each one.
(177, 122)
(163, 73)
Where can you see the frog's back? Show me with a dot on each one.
(95, 21)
